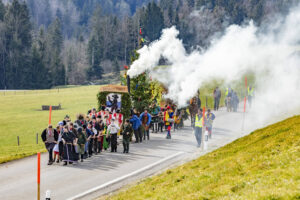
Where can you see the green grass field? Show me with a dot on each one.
(21, 115)
(263, 165)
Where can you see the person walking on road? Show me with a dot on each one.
(210, 117)
(155, 110)
(250, 95)
(50, 137)
(168, 119)
(90, 139)
(81, 142)
(68, 139)
(145, 118)
(113, 129)
(198, 127)
(126, 132)
(217, 97)
(136, 124)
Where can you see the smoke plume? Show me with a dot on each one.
(271, 52)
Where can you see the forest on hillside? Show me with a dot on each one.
(47, 43)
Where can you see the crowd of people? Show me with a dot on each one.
(99, 131)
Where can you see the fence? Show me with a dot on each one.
(36, 140)
(24, 92)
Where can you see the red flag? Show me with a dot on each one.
(141, 31)
(246, 81)
(50, 112)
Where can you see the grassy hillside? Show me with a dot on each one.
(262, 165)
(21, 115)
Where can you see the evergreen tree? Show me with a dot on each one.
(94, 58)
(153, 21)
(2, 10)
(18, 41)
(39, 72)
(55, 43)
(170, 14)
(43, 49)
(116, 67)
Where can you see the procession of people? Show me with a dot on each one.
(102, 130)
(99, 131)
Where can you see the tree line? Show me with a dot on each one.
(41, 49)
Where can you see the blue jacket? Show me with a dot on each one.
(89, 132)
(136, 122)
(149, 118)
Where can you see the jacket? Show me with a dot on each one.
(136, 122)
(149, 118)
(126, 131)
(113, 128)
(81, 138)
(44, 135)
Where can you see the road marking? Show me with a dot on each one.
(124, 177)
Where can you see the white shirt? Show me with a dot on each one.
(113, 128)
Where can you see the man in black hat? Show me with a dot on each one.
(50, 137)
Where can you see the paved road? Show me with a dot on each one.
(109, 171)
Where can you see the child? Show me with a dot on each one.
(56, 147)
(126, 132)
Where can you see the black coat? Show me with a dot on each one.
(44, 136)
(126, 131)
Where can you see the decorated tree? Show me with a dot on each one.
(140, 89)
(156, 91)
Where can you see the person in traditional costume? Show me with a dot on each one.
(50, 137)
(168, 119)
(101, 112)
(60, 142)
(126, 132)
(90, 138)
(73, 130)
(113, 129)
(68, 139)
(99, 126)
(81, 143)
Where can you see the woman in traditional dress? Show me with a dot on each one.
(68, 139)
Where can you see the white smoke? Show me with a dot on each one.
(271, 52)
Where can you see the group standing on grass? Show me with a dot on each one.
(99, 131)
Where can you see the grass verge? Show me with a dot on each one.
(21, 115)
(263, 165)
